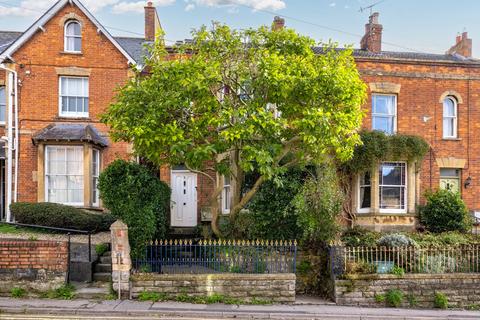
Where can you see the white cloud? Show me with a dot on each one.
(37, 7)
(254, 4)
(190, 7)
(137, 6)
(333, 4)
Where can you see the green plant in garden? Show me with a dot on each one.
(360, 237)
(64, 292)
(18, 292)
(398, 271)
(135, 195)
(440, 301)
(379, 298)
(253, 101)
(101, 248)
(394, 297)
(318, 206)
(394, 240)
(412, 300)
(59, 215)
(445, 211)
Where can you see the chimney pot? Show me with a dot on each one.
(458, 38)
(149, 4)
(278, 23)
(463, 46)
(372, 40)
(464, 35)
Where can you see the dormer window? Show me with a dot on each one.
(73, 36)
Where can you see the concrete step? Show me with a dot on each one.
(106, 260)
(92, 293)
(103, 267)
(102, 276)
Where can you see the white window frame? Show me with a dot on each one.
(359, 187)
(70, 114)
(67, 36)
(382, 115)
(47, 174)
(4, 104)
(405, 186)
(454, 118)
(226, 196)
(96, 158)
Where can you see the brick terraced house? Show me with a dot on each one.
(56, 78)
(60, 74)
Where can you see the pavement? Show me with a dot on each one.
(34, 309)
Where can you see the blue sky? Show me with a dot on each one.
(409, 25)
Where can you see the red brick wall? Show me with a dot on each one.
(38, 94)
(422, 85)
(47, 255)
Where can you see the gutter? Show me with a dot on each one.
(12, 144)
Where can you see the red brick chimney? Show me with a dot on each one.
(372, 40)
(463, 46)
(278, 23)
(152, 22)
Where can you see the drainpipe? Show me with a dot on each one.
(12, 91)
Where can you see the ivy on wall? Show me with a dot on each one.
(377, 146)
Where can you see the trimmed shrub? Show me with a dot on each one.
(135, 195)
(396, 240)
(445, 211)
(60, 216)
(360, 237)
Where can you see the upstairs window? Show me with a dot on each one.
(449, 118)
(74, 97)
(3, 105)
(384, 113)
(73, 36)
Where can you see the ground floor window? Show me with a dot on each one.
(392, 186)
(450, 179)
(95, 175)
(365, 189)
(64, 174)
(226, 195)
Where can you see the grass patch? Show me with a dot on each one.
(65, 292)
(186, 298)
(18, 292)
(101, 248)
(440, 301)
(380, 298)
(11, 229)
(152, 296)
(394, 298)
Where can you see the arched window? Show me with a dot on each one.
(449, 117)
(73, 36)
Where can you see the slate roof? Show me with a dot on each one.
(136, 47)
(7, 38)
(71, 132)
(409, 56)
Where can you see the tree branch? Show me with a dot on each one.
(201, 172)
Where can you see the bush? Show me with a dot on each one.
(60, 216)
(396, 240)
(18, 292)
(360, 237)
(440, 301)
(394, 298)
(440, 263)
(445, 211)
(135, 195)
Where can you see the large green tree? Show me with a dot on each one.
(233, 102)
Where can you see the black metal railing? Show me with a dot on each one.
(218, 256)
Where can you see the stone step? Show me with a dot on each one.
(92, 293)
(103, 267)
(106, 260)
(102, 276)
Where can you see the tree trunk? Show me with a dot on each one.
(214, 204)
(246, 198)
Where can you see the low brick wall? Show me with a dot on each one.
(33, 265)
(272, 287)
(461, 289)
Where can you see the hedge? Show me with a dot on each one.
(60, 216)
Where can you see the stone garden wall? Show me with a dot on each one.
(461, 289)
(33, 265)
(272, 287)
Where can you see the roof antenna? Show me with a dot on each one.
(370, 7)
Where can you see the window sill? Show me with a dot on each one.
(384, 214)
(70, 118)
(452, 139)
(72, 53)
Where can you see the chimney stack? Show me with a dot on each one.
(372, 40)
(152, 22)
(278, 23)
(463, 46)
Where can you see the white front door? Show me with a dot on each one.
(184, 199)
